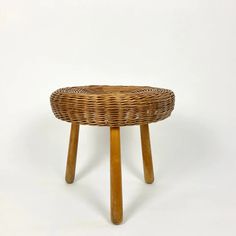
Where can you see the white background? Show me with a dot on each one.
(188, 46)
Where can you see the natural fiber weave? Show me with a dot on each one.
(112, 105)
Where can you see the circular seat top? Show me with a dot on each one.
(115, 106)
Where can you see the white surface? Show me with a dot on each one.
(187, 46)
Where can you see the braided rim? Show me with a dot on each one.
(106, 105)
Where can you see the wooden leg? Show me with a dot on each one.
(115, 174)
(72, 152)
(147, 154)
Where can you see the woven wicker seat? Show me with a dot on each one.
(112, 105)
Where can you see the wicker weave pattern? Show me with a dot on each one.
(112, 105)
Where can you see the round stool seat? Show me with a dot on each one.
(112, 105)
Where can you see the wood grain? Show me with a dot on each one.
(115, 174)
(147, 154)
(72, 153)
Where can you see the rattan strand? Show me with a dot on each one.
(112, 105)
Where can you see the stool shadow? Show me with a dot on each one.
(99, 143)
(88, 194)
(179, 145)
(47, 145)
(131, 158)
(183, 146)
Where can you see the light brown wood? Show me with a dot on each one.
(116, 178)
(72, 153)
(147, 154)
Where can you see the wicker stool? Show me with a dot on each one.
(112, 106)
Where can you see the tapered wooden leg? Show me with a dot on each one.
(147, 154)
(72, 153)
(115, 174)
